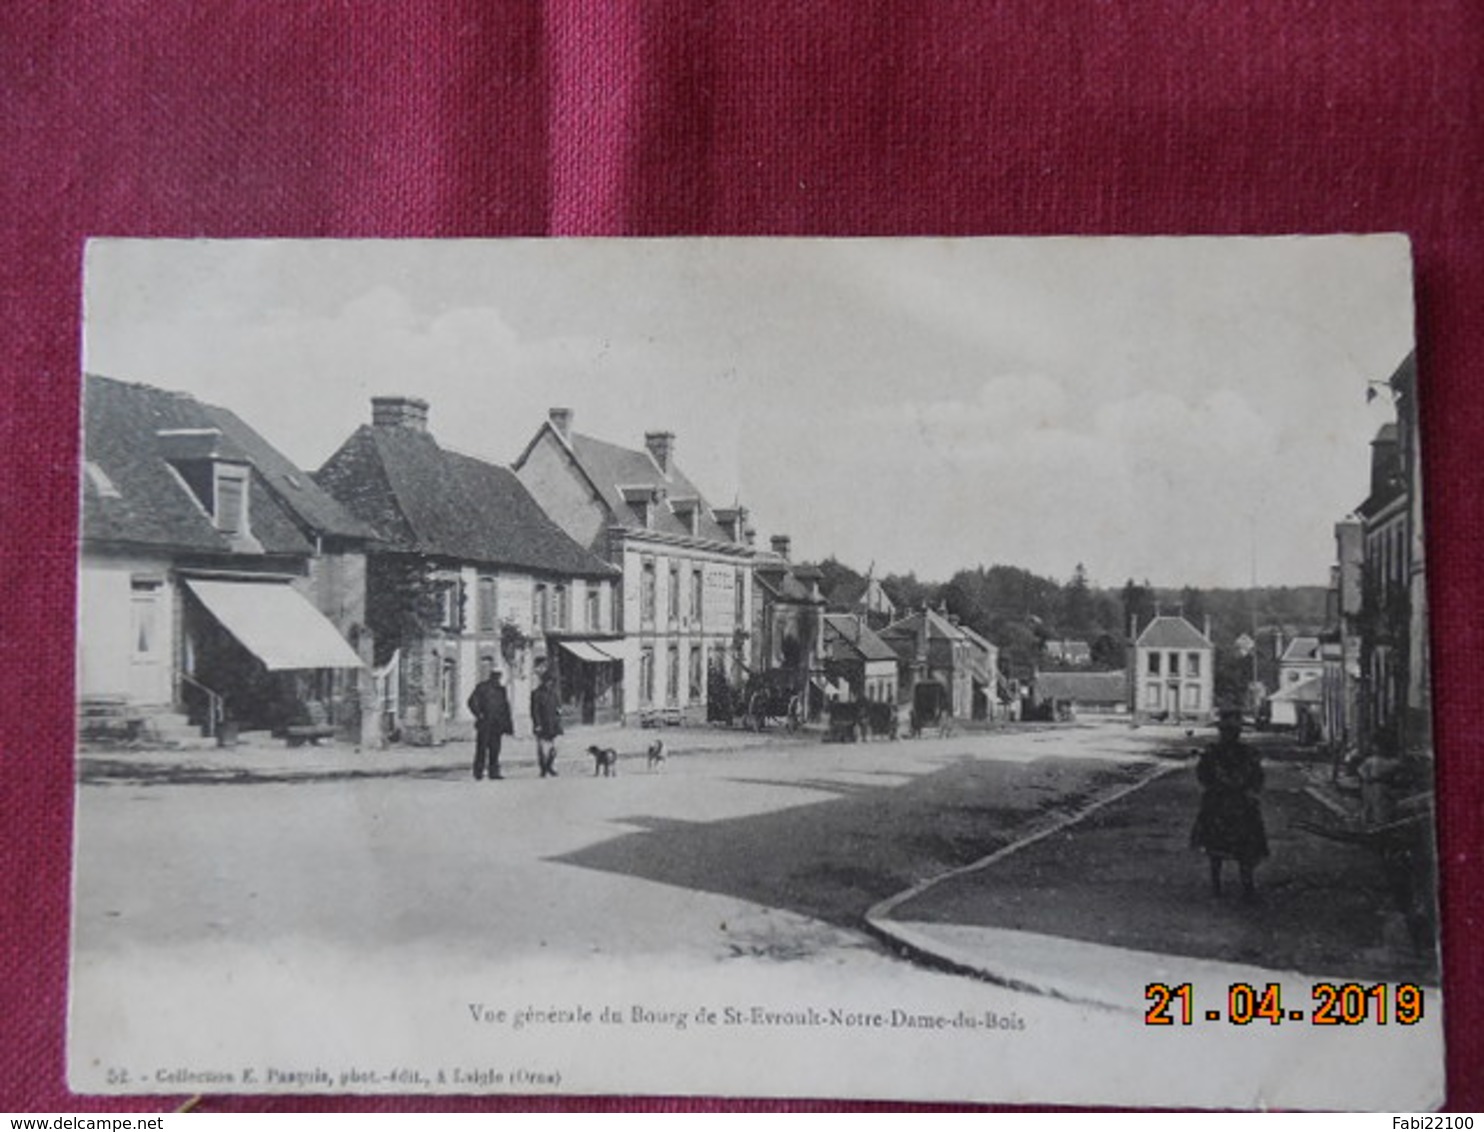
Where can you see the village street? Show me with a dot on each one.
(775, 850)
(282, 910)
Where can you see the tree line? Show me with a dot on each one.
(1020, 611)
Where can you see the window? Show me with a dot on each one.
(144, 610)
(451, 605)
(696, 583)
(646, 592)
(1193, 664)
(594, 606)
(646, 676)
(696, 673)
(1192, 697)
(673, 598)
(231, 500)
(540, 607)
(739, 582)
(672, 676)
(1151, 696)
(1153, 663)
(1174, 664)
(560, 613)
(489, 611)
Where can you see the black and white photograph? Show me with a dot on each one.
(935, 670)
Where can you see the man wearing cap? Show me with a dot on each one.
(546, 719)
(490, 707)
(1229, 823)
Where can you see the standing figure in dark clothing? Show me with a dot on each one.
(492, 721)
(1229, 824)
(546, 719)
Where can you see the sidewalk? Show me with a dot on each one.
(1099, 908)
(272, 760)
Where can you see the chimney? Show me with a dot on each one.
(1208, 626)
(781, 546)
(400, 412)
(661, 446)
(561, 420)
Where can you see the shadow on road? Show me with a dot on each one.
(832, 859)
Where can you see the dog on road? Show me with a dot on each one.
(656, 755)
(605, 761)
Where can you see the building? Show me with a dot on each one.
(935, 664)
(1172, 674)
(1069, 694)
(468, 566)
(1395, 684)
(858, 659)
(686, 568)
(1301, 661)
(1340, 646)
(1075, 653)
(864, 596)
(989, 689)
(789, 623)
(220, 588)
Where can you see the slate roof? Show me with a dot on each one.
(1083, 687)
(936, 625)
(848, 638)
(611, 467)
(150, 505)
(781, 579)
(1170, 632)
(423, 498)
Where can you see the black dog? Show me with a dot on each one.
(605, 761)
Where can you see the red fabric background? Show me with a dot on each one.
(161, 118)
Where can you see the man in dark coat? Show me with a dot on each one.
(546, 719)
(492, 721)
(1229, 823)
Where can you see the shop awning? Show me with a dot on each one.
(275, 623)
(587, 651)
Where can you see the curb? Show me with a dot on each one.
(876, 917)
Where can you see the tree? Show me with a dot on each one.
(1077, 612)
(404, 601)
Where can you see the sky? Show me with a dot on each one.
(1190, 411)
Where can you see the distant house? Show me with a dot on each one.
(469, 566)
(1078, 693)
(864, 596)
(1068, 652)
(1300, 661)
(788, 620)
(1293, 702)
(218, 583)
(858, 658)
(935, 663)
(1173, 667)
(988, 688)
(686, 568)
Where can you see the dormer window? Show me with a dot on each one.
(230, 483)
(641, 501)
(688, 511)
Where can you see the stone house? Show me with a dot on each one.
(1172, 674)
(468, 566)
(686, 568)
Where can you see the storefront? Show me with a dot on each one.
(590, 679)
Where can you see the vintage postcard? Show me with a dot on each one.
(924, 669)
